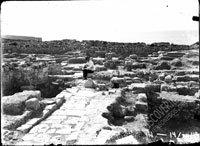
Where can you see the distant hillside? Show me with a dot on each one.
(25, 38)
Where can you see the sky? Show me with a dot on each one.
(108, 20)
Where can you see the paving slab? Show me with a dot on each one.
(75, 121)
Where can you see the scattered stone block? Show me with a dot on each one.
(142, 97)
(141, 107)
(175, 54)
(28, 87)
(77, 60)
(32, 104)
(136, 80)
(137, 87)
(161, 76)
(168, 88)
(166, 58)
(152, 87)
(117, 110)
(186, 78)
(89, 84)
(100, 68)
(180, 73)
(168, 79)
(176, 62)
(133, 56)
(162, 66)
(137, 65)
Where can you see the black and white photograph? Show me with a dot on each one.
(100, 72)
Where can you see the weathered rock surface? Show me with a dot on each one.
(185, 106)
(89, 84)
(32, 104)
(168, 79)
(176, 62)
(162, 65)
(15, 104)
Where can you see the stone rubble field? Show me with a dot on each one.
(149, 93)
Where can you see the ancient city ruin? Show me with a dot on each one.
(139, 93)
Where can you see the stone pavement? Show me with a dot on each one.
(75, 122)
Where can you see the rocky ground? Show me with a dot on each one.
(134, 100)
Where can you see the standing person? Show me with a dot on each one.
(88, 67)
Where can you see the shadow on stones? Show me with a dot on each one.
(117, 121)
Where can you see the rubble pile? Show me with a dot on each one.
(21, 106)
(95, 48)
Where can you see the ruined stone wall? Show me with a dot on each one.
(17, 78)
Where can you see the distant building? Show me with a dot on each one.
(22, 38)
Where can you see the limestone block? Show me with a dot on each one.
(27, 87)
(175, 54)
(194, 78)
(137, 65)
(161, 76)
(179, 73)
(32, 104)
(176, 62)
(117, 80)
(77, 60)
(152, 87)
(166, 58)
(168, 79)
(184, 78)
(100, 54)
(142, 97)
(162, 66)
(89, 84)
(141, 106)
(136, 80)
(100, 68)
(197, 94)
(168, 88)
(133, 56)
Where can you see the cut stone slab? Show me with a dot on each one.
(127, 140)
